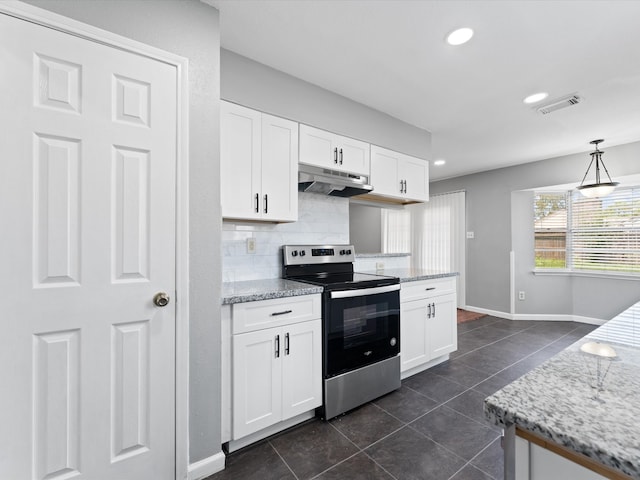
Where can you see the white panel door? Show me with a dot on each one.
(317, 147)
(443, 326)
(414, 340)
(257, 380)
(302, 368)
(415, 173)
(384, 172)
(353, 155)
(279, 169)
(240, 167)
(87, 204)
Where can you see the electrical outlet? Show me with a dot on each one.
(471, 235)
(379, 265)
(251, 245)
(521, 295)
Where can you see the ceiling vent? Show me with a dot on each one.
(559, 103)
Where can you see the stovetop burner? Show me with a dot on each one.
(330, 266)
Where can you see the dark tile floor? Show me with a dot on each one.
(433, 427)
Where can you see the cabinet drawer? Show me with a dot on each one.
(251, 316)
(427, 288)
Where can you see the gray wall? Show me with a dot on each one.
(261, 87)
(365, 228)
(493, 213)
(191, 29)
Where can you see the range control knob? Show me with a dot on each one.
(302, 253)
(294, 253)
(348, 252)
(343, 252)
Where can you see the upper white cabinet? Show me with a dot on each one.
(329, 150)
(399, 176)
(259, 165)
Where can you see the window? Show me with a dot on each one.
(588, 234)
(550, 229)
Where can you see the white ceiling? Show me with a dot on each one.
(391, 55)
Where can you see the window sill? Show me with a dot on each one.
(592, 274)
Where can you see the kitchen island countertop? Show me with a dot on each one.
(557, 402)
(255, 290)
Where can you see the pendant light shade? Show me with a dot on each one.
(599, 188)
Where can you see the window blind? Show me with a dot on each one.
(605, 232)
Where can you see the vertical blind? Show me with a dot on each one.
(434, 233)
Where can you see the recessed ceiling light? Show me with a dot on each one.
(460, 36)
(440, 162)
(536, 97)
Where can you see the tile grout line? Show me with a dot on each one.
(283, 460)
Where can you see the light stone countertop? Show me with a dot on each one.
(255, 290)
(381, 255)
(412, 274)
(557, 402)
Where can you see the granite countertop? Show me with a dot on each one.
(557, 402)
(381, 255)
(254, 290)
(412, 274)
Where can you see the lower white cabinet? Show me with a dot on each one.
(271, 366)
(428, 323)
(276, 375)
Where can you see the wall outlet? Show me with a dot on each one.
(521, 295)
(471, 235)
(251, 245)
(379, 265)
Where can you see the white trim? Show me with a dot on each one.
(207, 466)
(542, 317)
(512, 281)
(587, 273)
(69, 26)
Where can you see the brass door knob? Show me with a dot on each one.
(161, 299)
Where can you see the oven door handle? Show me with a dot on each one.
(361, 292)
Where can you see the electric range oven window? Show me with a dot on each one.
(360, 331)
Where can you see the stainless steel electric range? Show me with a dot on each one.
(360, 325)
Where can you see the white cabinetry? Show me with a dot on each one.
(259, 165)
(428, 324)
(273, 355)
(399, 176)
(332, 151)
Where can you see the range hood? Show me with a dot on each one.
(330, 182)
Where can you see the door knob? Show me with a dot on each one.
(161, 299)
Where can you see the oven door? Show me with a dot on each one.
(362, 327)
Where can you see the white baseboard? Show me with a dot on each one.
(206, 467)
(543, 317)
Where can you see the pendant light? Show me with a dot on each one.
(597, 189)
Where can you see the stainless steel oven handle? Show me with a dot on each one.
(361, 292)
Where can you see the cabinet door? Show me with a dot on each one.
(415, 172)
(442, 326)
(414, 340)
(317, 147)
(301, 368)
(279, 193)
(240, 161)
(384, 172)
(257, 381)
(353, 155)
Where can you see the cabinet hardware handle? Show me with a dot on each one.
(286, 344)
(401, 185)
(257, 200)
(277, 346)
(335, 155)
(405, 186)
(340, 156)
(284, 312)
(433, 313)
(429, 311)
(430, 288)
(266, 205)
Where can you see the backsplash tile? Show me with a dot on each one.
(321, 219)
